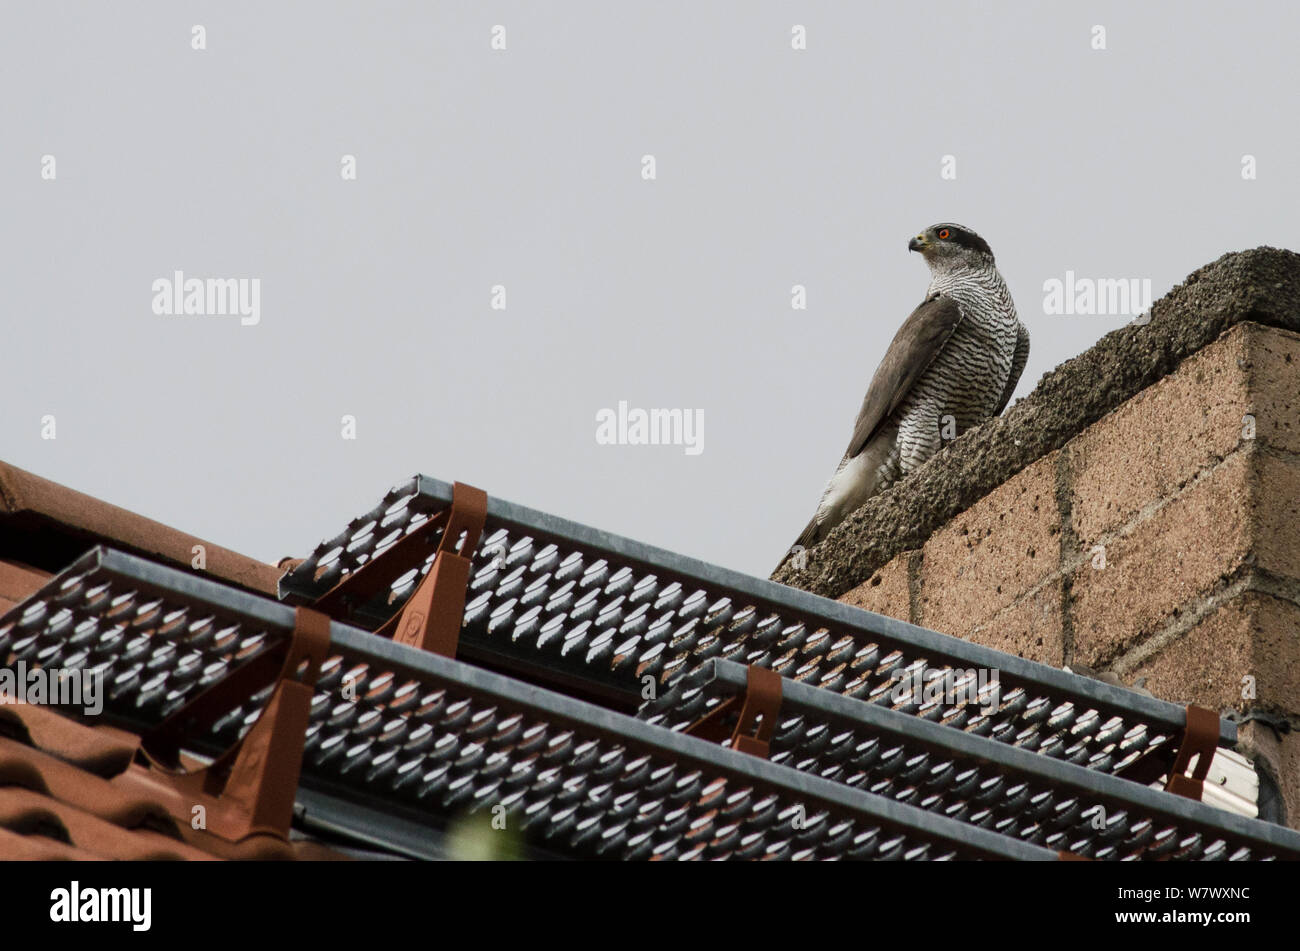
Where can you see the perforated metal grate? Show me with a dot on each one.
(414, 734)
(548, 596)
(1042, 800)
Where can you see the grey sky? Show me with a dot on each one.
(522, 168)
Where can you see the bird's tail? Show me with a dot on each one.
(810, 536)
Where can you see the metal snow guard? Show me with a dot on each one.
(1017, 793)
(596, 613)
(415, 739)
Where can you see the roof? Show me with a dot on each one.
(570, 607)
(423, 738)
(1261, 285)
(605, 699)
(45, 526)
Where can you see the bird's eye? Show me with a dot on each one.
(943, 233)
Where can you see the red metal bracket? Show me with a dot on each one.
(1200, 739)
(250, 788)
(432, 616)
(760, 703)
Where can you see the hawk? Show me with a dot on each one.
(954, 362)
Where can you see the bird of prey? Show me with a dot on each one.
(954, 362)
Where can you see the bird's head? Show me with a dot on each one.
(946, 246)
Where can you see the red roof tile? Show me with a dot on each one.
(35, 511)
(70, 791)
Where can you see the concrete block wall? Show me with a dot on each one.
(1160, 545)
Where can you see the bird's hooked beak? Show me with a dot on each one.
(919, 243)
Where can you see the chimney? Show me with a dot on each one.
(1135, 518)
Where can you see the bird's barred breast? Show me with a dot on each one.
(967, 378)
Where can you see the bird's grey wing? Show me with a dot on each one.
(1017, 367)
(910, 354)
